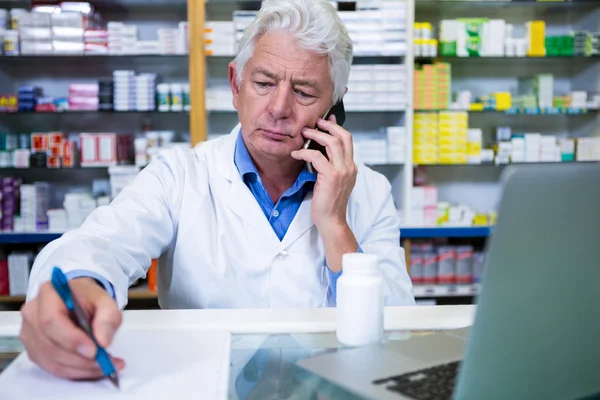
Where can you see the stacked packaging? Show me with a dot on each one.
(27, 97)
(83, 97)
(559, 46)
(536, 39)
(582, 43)
(588, 149)
(124, 90)
(376, 87)
(371, 148)
(10, 202)
(541, 87)
(95, 41)
(78, 206)
(444, 264)
(425, 138)
(567, 149)
(67, 33)
(19, 264)
(219, 38)
(452, 137)
(424, 206)
(432, 89)
(122, 38)
(474, 143)
(105, 95)
(377, 28)
(144, 92)
(396, 144)
(35, 33)
(98, 149)
(34, 205)
(167, 40)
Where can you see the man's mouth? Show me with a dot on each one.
(275, 135)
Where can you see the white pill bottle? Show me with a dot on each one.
(359, 301)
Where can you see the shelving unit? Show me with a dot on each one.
(53, 73)
(134, 294)
(406, 233)
(433, 291)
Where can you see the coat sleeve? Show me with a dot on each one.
(382, 237)
(117, 242)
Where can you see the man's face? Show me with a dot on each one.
(284, 88)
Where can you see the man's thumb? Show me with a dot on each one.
(106, 321)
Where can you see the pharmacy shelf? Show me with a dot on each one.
(523, 111)
(355, 56)
(34, 238)
(348, 110)
(114, 6)
(445, 232)
(428, 60)
(141, 293)
(95, 57)
(405, 233)
(467, 290)
(86, 112)
(38, 169)
(506, 164)
(504, 3)
(12, 299)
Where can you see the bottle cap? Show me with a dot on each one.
(360, 263)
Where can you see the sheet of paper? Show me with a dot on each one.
(160, 364)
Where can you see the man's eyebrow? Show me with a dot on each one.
(295, 82)
(264, 72)
(306, 82)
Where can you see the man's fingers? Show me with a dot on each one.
(107, 319)
(57, 360)
(55, 324)
(333, 145)
(337, 131)
(316, 158)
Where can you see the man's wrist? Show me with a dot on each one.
(338, 239)
(334, 230)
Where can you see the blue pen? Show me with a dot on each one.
(61, 285)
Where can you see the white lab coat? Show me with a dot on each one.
(216, 248)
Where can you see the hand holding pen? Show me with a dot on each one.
(55, 339)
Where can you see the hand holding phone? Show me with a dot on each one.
(340, 116)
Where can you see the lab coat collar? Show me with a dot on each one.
(241, 201)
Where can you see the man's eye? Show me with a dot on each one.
(262, 84)
(305, 95)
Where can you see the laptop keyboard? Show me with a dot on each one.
(436, 383)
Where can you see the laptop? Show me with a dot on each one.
(536, 333)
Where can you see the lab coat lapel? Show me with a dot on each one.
(239, 198)
(301, 223)
(241, 201)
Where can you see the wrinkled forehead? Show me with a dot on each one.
(279, 54)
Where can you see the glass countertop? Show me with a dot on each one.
(264, 366)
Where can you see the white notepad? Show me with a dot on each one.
(159, 364)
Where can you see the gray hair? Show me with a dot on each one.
(315, 25)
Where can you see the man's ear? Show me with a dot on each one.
(235, 90)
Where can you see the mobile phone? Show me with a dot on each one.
(340, 116)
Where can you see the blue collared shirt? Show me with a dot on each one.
(281, 214)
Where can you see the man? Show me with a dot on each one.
(238, 222)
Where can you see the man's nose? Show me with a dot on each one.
(280, 105)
